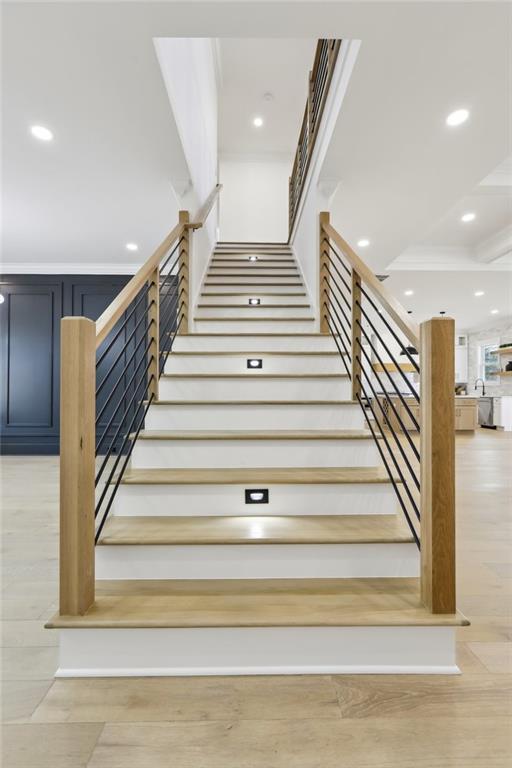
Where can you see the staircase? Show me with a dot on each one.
(254, 528)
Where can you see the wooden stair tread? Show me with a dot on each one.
(252, 306)
(254, 402)
(256, 529)
(253, 434)
(245, 319)
(251, 353)
(253, 375)
(257, 476)
(258, 603)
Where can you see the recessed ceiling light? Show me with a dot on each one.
(2, 298)
(457, 117)
(41, 133)
(470, 216)
(257, 122)
(494, 311)
(363, 243)
(268, 96)
(409, 292)
(132, 247)
(479, 293)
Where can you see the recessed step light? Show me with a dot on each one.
(256, 496)
(254, 362)
(254, 302)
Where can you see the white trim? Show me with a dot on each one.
(256, 651)
(66, 268)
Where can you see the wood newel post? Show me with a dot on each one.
(184, 273)
(437, 447)
(154, 332)
(356, 334)
(77, 467)
(323, 274)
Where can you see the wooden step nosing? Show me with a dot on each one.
(253, 353)
(254, 306)
(252, 376)
(250, 477)
(292, 403)
(245, 319)
(252, 435)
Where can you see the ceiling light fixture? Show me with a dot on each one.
(457, 117)
(363, 243)
(257, 122)
(2, 298)
(41, 133)
(479, 293)
(132, 247)
(409, 292)
(470, 216)
(494, 311)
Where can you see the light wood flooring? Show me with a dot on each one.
(262, 722)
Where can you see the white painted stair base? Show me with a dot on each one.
(256, 651)
(214, 500)
(242, 299)
(268, 288)
(237, 362)
(237, 325)
(209, 342)
(233, 415)
(254, 385)
(256, 561)
(256, 314)
(242, 452)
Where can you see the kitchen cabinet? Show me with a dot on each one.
(502, 413)
(466, 413)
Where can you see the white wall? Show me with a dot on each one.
(188, 69)
(254, 200)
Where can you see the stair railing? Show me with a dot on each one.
(320, 77)
(403, 378)
(110, 371)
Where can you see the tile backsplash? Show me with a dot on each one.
(501, 331)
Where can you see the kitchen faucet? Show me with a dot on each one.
(483, 386)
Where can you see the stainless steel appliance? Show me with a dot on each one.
(486, 412)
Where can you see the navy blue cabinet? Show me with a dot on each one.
(30, 317)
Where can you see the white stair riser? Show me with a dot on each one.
(254, 271)
(254, 453)
(213, 290)
(250, 326)
(254, 387)
(243, 299)
(293, 364)
(242, 262)
(256, 651)
(225, 343)
(256, 561)
(243, 417)
(262, 313)
(220, 500)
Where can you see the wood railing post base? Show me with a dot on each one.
(437, 449)
(77, 467)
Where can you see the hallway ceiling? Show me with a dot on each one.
(89, 71)
(250, 69)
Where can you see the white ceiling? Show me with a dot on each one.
(89, 71)
(248, 70)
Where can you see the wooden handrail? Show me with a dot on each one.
(398, 313)
(114, 311)
(205, 210)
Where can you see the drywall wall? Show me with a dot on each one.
(188, 69)
(254, 202)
